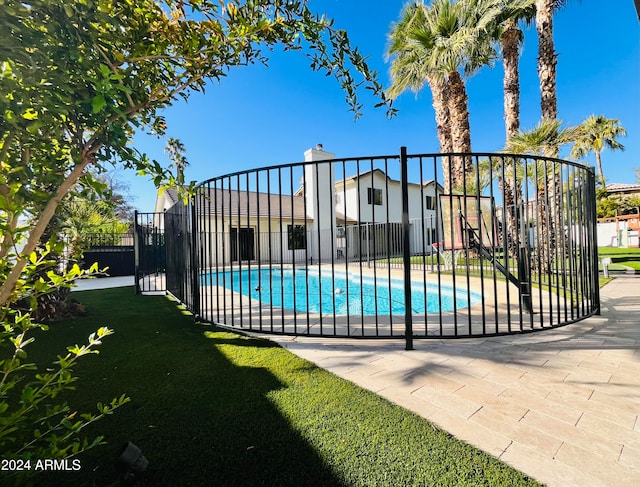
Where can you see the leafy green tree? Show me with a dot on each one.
(87, 73)
(612, 205)
(76, 80)
(595, 134)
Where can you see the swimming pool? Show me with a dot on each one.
(308, 290)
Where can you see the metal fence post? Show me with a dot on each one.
(406, 250)
(593, 223)
(195, 267)
(136, 251)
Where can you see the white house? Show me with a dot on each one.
(371, 203)
(356, 217)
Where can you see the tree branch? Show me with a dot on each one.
(9, 285)
(114, 70)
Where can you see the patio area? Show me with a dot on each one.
(561, 405)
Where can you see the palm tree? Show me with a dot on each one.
(408, 70)
(79, 218)
(547, 57)
(594, 135)
(510, 38)
(434, 44)
(480, 177)
(176, 152)
(544, 140)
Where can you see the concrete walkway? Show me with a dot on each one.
(563, 406)
(103, 283)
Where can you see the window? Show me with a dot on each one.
(374, 196)
(430, 202)
(297, 236)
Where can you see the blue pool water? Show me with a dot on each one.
(317, 292)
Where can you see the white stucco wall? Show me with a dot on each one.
(611, 234)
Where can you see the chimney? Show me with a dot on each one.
(319, 192)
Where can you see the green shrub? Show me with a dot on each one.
(36, 424)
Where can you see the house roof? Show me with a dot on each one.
(623, 188)
(340, 219)
(382, 174)
(250, 203)
(165, 199)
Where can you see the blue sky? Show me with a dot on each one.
(260, 116)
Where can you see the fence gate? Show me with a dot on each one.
(150, 252)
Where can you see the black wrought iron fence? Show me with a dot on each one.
(181, 253)
(150, 263)
(387, 246)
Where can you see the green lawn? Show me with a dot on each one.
(209, 407)
(621, 258)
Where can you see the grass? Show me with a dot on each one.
(621, 258)
(210, 407)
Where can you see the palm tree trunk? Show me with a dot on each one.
(599, 163)
(510, 40)
(512, 194)
(549, 106)
(549, 191)
(440, 95)
(460, 130)
(546, 59)
(443, 118)
(512, 197)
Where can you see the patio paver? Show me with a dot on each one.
(562, 405)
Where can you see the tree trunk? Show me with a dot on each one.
(546, 59)
(443, 118)
(9, 285)
(440, 94)
(512, 194)
(599, 163)
(510, 40)
(550, 195)
(548, 103)
(460, 130)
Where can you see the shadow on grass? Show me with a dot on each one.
(198, 418)
(238, 341)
